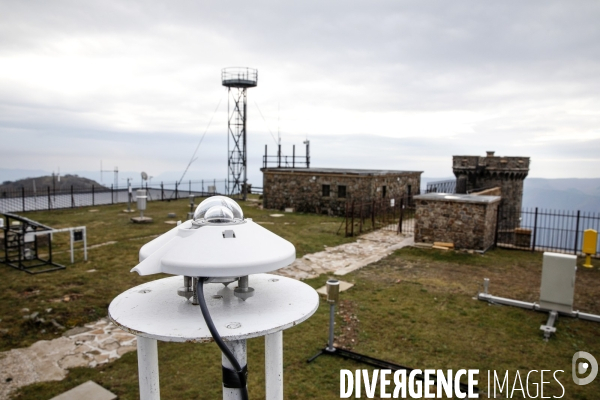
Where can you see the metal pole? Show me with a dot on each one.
(93, 196)
(49, 203)
(331, 324)
(400, 220)
(162, 191)
(534, 229)
(72, 198)
(576, 233)
(148, 368)
(279, 156)
(274, 366)
(352, 227)
(23, 197)
(238, 348)
(294, 156)
(245, 182)
(265, 158)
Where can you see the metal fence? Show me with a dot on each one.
(545, 230)
(441, 187)
(46, 198)
(396, 215)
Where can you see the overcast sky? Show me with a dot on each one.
(372, 84)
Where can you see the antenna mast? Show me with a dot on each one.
(239, 79)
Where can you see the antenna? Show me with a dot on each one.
(115, 171)
(239, 78)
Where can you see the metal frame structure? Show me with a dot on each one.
(22, 239)
(21, 245)
(239, 78)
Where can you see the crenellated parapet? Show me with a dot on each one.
(509, 168)
(475, 173)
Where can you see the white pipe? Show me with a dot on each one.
(274, 366)
(535, 307)
(507, 302)
(85, 243)
(71, 235)
(238, 348)
(148, 368)
(588, 317)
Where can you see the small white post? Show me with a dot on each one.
(85, 243)
(238, 348)
(148, 368)
(71, 235)
(274, 366)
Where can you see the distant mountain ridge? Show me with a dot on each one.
(53, 181)
(562, 194)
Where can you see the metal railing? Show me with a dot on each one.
(441, 187)
(46, 198)
(537, 229)
(396, 215)
(283, 161)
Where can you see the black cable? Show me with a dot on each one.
(215, 334)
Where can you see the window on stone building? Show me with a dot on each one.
(341, 191)
(326, 190)
(383, 191)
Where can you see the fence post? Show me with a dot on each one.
(576, 233)
(23, 196)
(176, 189)
(72, 198)
(534, 229)
(373, 214)
(112, 201)
(497, 225)
(401, 215)
(189, 187)
(346, 218)
(352, 228)
(48, 189)
(162, 192)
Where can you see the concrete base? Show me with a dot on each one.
(89, 391)
(141, 220)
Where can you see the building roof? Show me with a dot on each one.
(342, 171)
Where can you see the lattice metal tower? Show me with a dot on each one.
(239, 79)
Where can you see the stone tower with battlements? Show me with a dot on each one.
(474, 173)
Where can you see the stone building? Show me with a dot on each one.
(467, 221)
(327, 190)
(474, 173)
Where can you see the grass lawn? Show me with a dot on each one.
(414, 308)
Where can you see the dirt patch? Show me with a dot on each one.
(348, 330)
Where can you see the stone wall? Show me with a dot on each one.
(468, 221)
(302, 189)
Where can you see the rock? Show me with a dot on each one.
(57, 325)
(76, 331)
